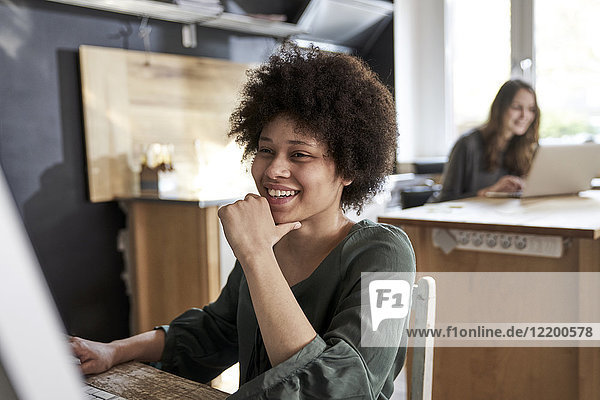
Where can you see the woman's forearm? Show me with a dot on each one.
(284, 327)
(147, 346)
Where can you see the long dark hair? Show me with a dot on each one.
(520, 149)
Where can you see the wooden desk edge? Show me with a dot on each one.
(137, 381)
(533, 230)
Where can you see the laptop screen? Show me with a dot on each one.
(35, 359)
(562, 169)
(559, 170)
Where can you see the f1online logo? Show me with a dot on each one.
(389, 299)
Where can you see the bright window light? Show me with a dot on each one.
(479, 41)
(568, 68)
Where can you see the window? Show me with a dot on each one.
(568, 68)
(480, 46)
(452, 56)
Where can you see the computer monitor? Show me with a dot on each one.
(35, 359)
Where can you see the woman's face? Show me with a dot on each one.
(295, 174)
(520, 114)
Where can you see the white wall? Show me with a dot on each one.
(422, 87)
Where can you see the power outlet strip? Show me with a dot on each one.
(502, 242)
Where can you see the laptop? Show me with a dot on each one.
(559, 170)
(35, 359)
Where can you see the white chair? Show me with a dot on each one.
(421, 374)
(423, 306)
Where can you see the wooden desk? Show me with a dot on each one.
(511, 373)
(137, 381)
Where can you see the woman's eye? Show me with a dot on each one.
(300, 155)
(264, 150)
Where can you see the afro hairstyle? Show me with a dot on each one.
(334, 98)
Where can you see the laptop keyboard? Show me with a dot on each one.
(92, 393)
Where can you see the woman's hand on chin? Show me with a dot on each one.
(249, 227)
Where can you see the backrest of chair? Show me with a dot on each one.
(423, 308)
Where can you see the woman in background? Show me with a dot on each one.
(320, 130)
(495, 156)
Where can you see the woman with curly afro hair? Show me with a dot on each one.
(320, 131)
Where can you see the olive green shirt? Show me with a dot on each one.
(201, 343)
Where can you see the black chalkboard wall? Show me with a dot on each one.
(42, 148)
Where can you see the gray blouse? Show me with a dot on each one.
(465, 172)
(201, 343)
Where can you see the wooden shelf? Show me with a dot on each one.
(174, 13)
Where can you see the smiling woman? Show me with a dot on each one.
(495, 156)
(320, 131)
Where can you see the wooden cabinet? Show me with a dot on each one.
(511, 372)
(172, 257)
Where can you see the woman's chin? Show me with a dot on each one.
(520, 131)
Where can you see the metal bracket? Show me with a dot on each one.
(188, 36)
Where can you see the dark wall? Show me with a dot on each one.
(381, 55)
(42, 149)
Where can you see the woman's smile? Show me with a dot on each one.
(279, 197)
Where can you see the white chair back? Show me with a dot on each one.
(423, 308)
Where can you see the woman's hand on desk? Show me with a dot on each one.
(95, 357)
(508, 183)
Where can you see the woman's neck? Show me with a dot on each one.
(317, 236)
